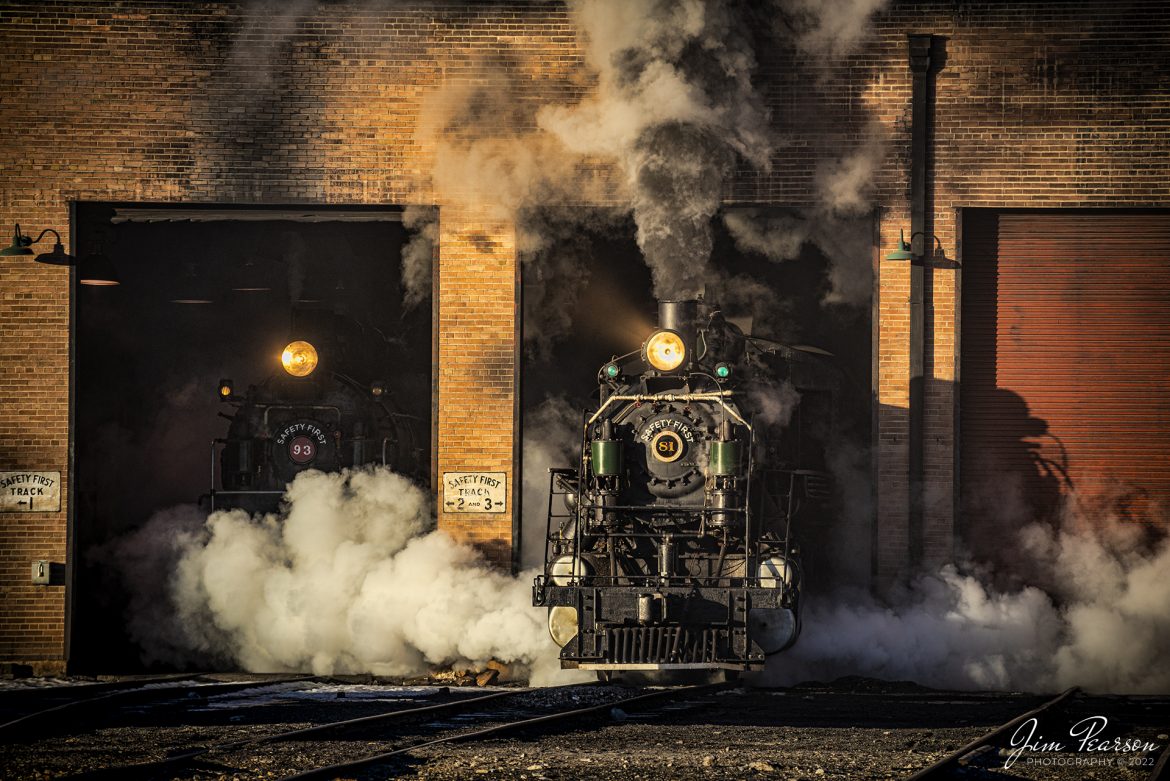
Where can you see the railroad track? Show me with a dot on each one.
(947, 766)
(400, 731)
(81, 701)
(514, 719)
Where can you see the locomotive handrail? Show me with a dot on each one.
(678, 509)
(717, 396)
(270, 407)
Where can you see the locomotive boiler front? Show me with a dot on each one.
(306, 416)
(674, 552)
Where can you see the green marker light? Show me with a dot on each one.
(611, 370)
(723, 371)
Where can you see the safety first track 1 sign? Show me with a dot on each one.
(30, 492)
(475, 492)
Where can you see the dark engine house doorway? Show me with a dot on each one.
(587, 296)
(210, 294)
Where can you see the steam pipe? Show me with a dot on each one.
(922, 70)
(716, 396)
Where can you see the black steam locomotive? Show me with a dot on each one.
(674, 549)
(315, 412)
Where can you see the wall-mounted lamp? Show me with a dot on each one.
(903, 252)
(250, 278)
(21, 246)
(95, 269)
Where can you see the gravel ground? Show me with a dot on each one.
(854, 729)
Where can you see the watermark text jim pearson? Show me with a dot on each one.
(1084, 738)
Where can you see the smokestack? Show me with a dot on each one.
(679, 316)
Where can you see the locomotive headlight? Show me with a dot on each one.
(665, 351)
(299, 358)
(562, 624)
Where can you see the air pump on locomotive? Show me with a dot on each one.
(670, 546)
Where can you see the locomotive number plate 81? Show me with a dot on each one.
(667, 446)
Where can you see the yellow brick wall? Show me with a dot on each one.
(477, 366)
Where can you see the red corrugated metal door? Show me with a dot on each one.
(1065, 365)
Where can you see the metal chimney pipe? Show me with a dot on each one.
(678, 316)
(682, 318)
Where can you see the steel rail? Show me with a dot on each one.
(948, 761)
(1161, 771)
(49, 691)
(182, 757)
(139, 691)
(135, 687)
(333, 771)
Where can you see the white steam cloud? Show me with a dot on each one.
(349, 578)
(834, 224)
(552, 438)
(418, 254)
(829, 28)
(1092, 615)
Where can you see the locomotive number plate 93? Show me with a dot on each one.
(667, 446)
(302, 450)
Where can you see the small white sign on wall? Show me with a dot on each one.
(475, 492)
(30, 492)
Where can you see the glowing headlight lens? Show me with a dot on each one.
(562, 624)
(665, 351)
(299, 359)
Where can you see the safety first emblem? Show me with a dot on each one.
(302, 441)
(667, 438)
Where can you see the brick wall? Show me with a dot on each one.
(1038, 105)
(478, 333)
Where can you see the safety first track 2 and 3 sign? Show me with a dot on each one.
(475, 492)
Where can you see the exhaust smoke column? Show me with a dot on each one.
(674, 105)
